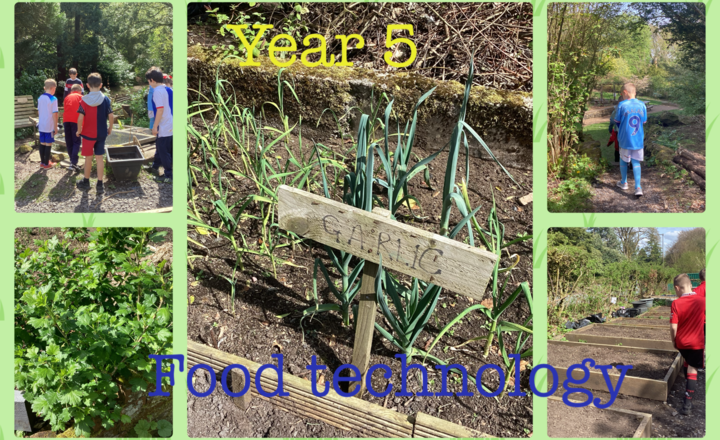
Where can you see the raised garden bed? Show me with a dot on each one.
(623, 335)
(346, 413)
(658, 316)
(592, 422)
(636, 322)
(653, 372)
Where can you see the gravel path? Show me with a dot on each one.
(54, 190)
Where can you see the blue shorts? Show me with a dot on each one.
(93, 147)
(46, 138)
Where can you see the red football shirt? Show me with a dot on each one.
(71, 104)
(700, 290)
(688, 312)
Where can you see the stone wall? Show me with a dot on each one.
(502, 118)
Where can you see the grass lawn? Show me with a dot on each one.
(599, 132)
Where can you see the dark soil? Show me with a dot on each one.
(647, 364)
(634, 322)
(588, 422)
(639, 333)
(266, 319)
(667, 420)
(217, 416)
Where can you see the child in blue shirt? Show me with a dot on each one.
(630, 117)
(47, 122)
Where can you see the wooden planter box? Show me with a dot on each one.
(636, 322)
(579, 334)
(644, 428)
(632, 386)
(347, 413)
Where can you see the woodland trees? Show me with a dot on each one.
(586, 267)
(118, 40)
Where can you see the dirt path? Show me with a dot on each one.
(662, 193)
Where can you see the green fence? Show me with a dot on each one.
(694, 278)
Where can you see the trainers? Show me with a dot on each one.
(152, 170)
(686, 410)
(163, 179)
(622, 185)
(45, 167)
(638, 192)
(100, 187)
(51, 164)
(84, 184)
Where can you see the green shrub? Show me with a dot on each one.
(138, 105)
(572, 195)
(581, 167)
(115, 70)
(33, 83)
(88, 312)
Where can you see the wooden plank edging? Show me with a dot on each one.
(579, 334)
(652, 389)
(348, 413)
(644, 429)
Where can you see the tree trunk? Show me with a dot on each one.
(62, 72)
(76, 39)
(697, 179)
(691, 155)
(690, 165)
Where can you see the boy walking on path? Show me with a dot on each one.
(70, 118)
(95, 112)
(630, 116)
(687, 320)
(73, 80)
(47, 122)
(163, 125)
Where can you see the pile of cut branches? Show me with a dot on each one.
(694, 163)
(446, 35)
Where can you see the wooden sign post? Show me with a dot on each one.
(371, 235)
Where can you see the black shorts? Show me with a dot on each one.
(694, 358)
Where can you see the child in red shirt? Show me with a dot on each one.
(700, 290)
(687, 320)
(70, 118)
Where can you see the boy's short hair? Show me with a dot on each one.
(630, 88)
(702, 274)
(94, 80)
(683, 281)
(72, 71)
(76, 88)
(50, 83)
(155, 74)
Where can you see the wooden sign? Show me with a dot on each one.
(22, 416)
(430, 257)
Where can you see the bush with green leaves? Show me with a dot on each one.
(33, 83)
(89, 309)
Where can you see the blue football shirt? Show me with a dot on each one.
(630, 116)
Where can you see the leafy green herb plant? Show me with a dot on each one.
(88, 311)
